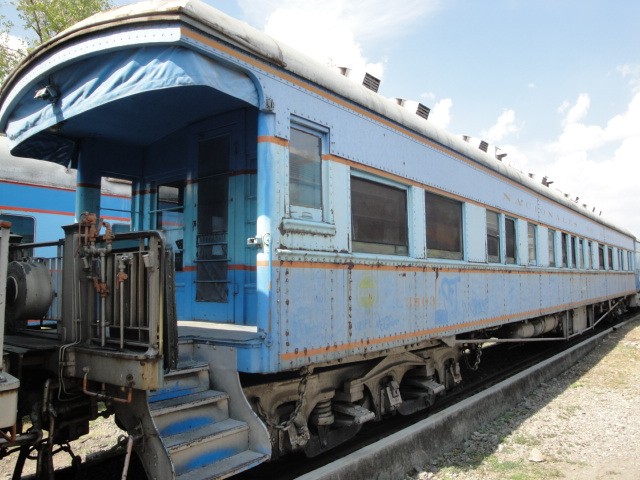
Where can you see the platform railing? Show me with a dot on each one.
(118, 291)
(128, 285)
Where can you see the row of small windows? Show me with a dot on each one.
(379, 219)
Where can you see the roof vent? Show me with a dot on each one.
(423, 111)
(371, 82)
(418, 108)
(466, 138)
(500, 154)
(546, 182)
(484, 146)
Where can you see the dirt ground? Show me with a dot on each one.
(584, 424)
(103, 437)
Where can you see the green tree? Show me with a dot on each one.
(10, 51)
(49, 17)
(44, 18)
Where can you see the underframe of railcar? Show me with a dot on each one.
(323, 405)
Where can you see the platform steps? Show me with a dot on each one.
(193, 423)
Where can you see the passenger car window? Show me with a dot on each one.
(444, 227)
(580, 255)
(610, 258)
(552, 248)
(601, 256)
(378, 218)
(531, 243)
(21, 225)
(305, 175)
(510, 240)
(493, 236)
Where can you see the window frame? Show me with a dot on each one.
(532, 243)
(510, 240)
(379, 248)
(601, 256)
(551, 245)
(301, 211)
(493, 236)
(564, 246)
(12, 217)
(580, 255)
(441, 253)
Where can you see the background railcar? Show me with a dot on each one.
(38, 198)
(305, 256)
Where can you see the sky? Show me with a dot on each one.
(554, 83)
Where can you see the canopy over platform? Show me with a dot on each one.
(125, 97)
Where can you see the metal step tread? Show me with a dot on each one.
(180, 441)
(226, 467)
(177, 391)
(186, 368)
(184, 402)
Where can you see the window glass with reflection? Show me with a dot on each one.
(444, 227)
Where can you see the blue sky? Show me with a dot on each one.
(554, 83)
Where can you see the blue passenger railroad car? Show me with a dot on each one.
(305, 255)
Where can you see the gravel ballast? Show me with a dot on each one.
(582, 424)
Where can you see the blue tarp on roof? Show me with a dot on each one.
(102, 96)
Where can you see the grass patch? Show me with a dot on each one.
(526, 440)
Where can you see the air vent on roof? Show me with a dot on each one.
(423, 111)
(500, 154)
(484, 146)
(466, 138)
(416, 107)
(546, 182)
(371, 82)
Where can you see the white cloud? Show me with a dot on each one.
(13, 43)
(600, 164)
(440, 114)
(577, 136)
(563, 107)
(632, 73)
(579, 110)
(331, 31)
(368, 19)
(321, 35)
(428, 96)
(505, 125)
